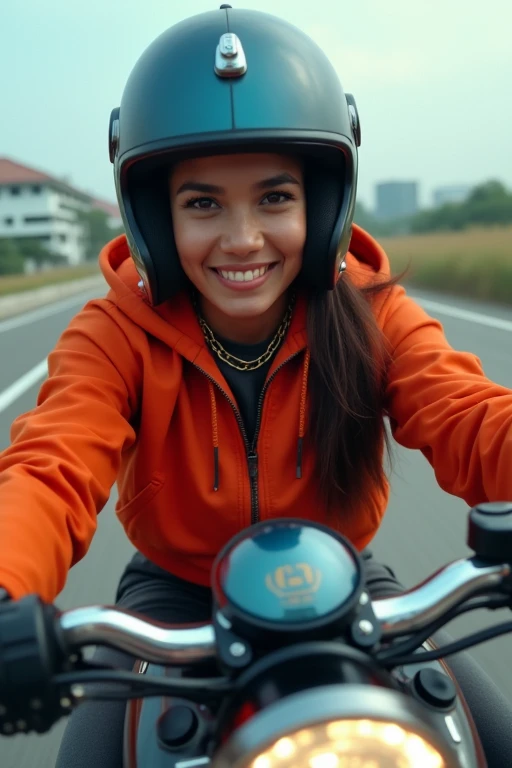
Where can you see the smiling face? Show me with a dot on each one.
(240, 226)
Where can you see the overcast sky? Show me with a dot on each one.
(432, 80)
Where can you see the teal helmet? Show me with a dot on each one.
(233, 81)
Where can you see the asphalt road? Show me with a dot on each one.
(423, 529)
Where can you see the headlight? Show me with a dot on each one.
(338, 726)
(351, 744)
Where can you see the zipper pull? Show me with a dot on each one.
(252, 459)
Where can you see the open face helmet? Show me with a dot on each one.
(223, 82)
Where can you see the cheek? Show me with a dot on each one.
(290, 236)
(192, 242)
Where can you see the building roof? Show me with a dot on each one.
(12, 172)
(15, 173)
(112, 209)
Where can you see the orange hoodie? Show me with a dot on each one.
(134, 395)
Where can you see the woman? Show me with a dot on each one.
(244, 359)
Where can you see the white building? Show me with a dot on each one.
(114, 220)
(34, 205)
(451, 194)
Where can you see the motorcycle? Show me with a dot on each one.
(298, 667)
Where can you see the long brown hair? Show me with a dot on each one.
(347, 386)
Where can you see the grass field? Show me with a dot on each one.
(476, 263)
(19, 283)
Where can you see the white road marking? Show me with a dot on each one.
(465, 314)
(47, 311)
(40, 371)
(24, 383)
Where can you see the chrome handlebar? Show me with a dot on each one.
(185, 645)
(423, 604)
(147, 640)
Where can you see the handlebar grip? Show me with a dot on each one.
(29, 656)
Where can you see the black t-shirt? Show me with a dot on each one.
(246, 385)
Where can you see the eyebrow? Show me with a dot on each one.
(213, 189)
(276, 181)
(197, 186)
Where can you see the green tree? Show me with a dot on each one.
(34, 249)
(11, 258)
(448, 217)
(96, 232)
(377, 227)
(488, 204)
(489, 191)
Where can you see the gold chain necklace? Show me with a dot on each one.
(236, 362)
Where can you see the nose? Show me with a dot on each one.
(243, 235)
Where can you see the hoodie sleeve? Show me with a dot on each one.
(65, 454)
(440, 402)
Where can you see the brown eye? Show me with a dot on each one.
(201, 203)
(275, 198)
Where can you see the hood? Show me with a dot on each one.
(174, 322)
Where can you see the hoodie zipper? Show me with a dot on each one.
(255, 510)
(253, 468)
(250, 448)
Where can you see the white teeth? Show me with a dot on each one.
(243, 277)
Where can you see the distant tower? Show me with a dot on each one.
(452, 194)
(396, 199)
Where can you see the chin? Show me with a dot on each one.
(247, 305)
(245, 309)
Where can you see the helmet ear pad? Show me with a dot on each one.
(326, 219)
(151, 207)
